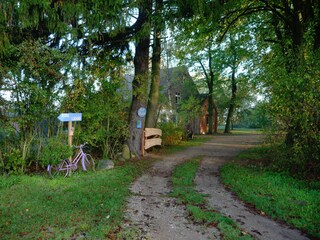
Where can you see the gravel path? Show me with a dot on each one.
(153, 215)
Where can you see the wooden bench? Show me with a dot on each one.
(151, 138)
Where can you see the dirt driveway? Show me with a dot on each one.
(153, 215)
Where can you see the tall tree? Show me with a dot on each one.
(94, 31)
(210, 81)
(153, 100)
(141, 75)
(290, 30)
(236, 55)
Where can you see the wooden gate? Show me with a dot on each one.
(151, 137)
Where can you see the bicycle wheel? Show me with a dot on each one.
(89, 162)
(62, 169)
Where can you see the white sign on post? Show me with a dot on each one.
(70, 117)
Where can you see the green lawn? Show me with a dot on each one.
(246, 131)
(279, 195)
(85, 205)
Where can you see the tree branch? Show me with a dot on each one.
(250, 10)
(244, 13)
(204, 71)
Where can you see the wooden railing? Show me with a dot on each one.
(151, 137)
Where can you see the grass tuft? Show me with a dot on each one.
(183, 189)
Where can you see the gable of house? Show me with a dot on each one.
(177, 85)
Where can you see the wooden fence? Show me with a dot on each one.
(151, 137)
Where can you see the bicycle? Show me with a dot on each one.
(68, 167)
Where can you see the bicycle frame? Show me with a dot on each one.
(68, 166)
(81, 155)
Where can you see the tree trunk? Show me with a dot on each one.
(139, 83)
(210, 112)
(232, 101)
(215, 118)
(211, 104)
(153, 101)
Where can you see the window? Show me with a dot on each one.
(178, 98)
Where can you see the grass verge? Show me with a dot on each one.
(278, 195)
(246, 131)
(86, 205)
(183, 190)
(196, 141)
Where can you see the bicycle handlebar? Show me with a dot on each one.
(81, 145)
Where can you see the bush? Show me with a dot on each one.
(54, 151)
(171, 134)
(11, 160)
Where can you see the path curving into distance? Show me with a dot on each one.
(155, 215)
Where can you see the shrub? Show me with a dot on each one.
(171, 134)
(11, 160)
(54, 151)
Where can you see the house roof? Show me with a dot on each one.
(173, 81)
(177, 80)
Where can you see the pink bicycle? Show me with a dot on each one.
(66, 167)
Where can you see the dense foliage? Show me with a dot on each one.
(62, 56)
(53, 60)
(283, 38)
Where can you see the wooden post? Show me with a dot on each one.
(142, 143)
(70, 117)
(70, 136)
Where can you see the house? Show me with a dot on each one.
(176, 86)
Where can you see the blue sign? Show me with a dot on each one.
(70, 117)
(139, 124)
